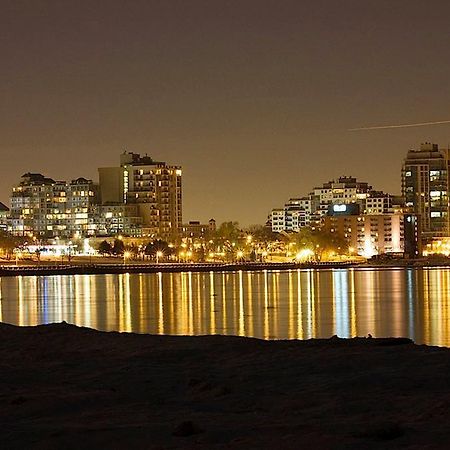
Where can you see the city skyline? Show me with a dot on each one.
(254, 100)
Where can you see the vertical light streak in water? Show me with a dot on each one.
(86, 299)
(191, 307)
(199, 306)
(251, 321)
(142, 327)
(124, 301)
(340, 287)
(48, 284)
(174, 302)
(112, 313)
(410, 297)
(121, 303)
(426, 306)
(224, 304)
(184, 305)
(65, 298)
(445, 307)
(160, 304)
(309, 290)
(436, 304)
(397, 306)
(69, 306)
(212, 307)
(311, 303)
(233, 300)
(32, 301)
(299, 307)
(315, 277)
(266, 306)
(291, 325)
(78, 316)
(241, 331)
(60, 296)
(370, 290)
(333, 302)
(21, 302)
(354, 329)
(275, 303)
(1, 301)
(90, 303)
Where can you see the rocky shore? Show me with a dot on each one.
(69, 387)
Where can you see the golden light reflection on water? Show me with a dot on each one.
(298, 304)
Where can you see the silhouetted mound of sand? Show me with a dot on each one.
(69, 387)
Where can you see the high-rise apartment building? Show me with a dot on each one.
(154, 186)
(43, 207)
(4, 217)
(425, 186)
(82, 196)
(345, 190)
(295, 214)
(38, 206)
(375, 234)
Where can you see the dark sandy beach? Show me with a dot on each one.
(69, 387)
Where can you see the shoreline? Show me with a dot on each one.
(71, 387)
(111, 268)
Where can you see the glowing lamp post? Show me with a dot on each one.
(126, 255)
(159, 254)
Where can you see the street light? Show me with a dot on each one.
(159, 254)
(126, 255)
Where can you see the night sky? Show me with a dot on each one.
(253, 98)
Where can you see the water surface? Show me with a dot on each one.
(298, 304)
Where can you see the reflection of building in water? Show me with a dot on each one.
(341, 301)
(301, 304)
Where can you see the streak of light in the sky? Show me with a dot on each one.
(405, 125)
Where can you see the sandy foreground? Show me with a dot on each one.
(69, 387)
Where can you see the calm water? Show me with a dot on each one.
(298, 304)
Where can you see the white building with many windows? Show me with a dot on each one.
(310, 210)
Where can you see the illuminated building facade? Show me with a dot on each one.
(153, 186)
(120, 218)
(45, 208)
(342, 190)
(377, 234)
(4, 217)
(195, 229)
(38, 207)
(295, 214)
(82, 197)
(425, 186)
(310, 210)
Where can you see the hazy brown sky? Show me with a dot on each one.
(252, 98)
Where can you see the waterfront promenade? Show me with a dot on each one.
(116, 267)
